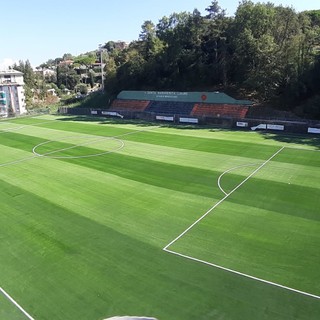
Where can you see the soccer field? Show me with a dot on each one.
(100, 218)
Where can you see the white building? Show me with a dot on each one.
(12, 98)
(45, 72)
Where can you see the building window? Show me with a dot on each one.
(7, 78)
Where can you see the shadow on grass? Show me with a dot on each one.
(142, 123)
(294, 138)
(104, 120)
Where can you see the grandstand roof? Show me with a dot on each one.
(195, 97)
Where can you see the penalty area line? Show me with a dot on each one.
(16, 304)
(222, 200)
(228, 269)
(243, 274)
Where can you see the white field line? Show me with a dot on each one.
(17, 161)
(231, 169)
(88, 143)
(11, 129)
(16, 304)
(38, 155)
(135, 131)
(33, 157)
(242, 274)
(227, 269)
(23, 126)
(76, 146)
(220, 201)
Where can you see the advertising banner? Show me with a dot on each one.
(242, 124)
(164, 118)
(260, 126)
(189, 120)
(275, 127)
(313, 130)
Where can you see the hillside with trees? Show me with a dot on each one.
(266, 53)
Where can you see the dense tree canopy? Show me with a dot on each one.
(270, 52)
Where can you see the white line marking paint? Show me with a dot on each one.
(23, 126)
(112, 137)
(224, 198)
(17, 161)
(48, 154)
(227, 269)
(38, 156)
(242, 274)
(234, 168)
(11, 129)
(16, 304)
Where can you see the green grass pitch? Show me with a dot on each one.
(87, 206)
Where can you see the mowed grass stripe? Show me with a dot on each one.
(27, 120)
(301, 157)
(185, 179)
(244, 149)
(288, 199)
(74, 260)
(20, 141)
(100, 129)
(180, 178)
(190, 158)
(150, 136)
(296, 174)
(173, 155)
(102, 195)
(273, 235)
(118, 227)
(75, 268)
(306, 142)
(284, 250)
(284, 196)
(277, 248)
(193, 177)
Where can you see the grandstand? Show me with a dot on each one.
(214, 108)
(220, 110)
(193, 104)
(170, 107)
(129, 105)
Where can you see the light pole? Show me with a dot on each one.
(101, 65)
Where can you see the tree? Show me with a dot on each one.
(67, 77)
(82, 88)
(67, 56)
(215, 44)
(28, 77)
(265, 49)
(215, 11)
(130, 73)
(314, 15)
(85, 61)
(147, 39)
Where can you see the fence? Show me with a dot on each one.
(278, 125)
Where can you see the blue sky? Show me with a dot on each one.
(39, 30)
